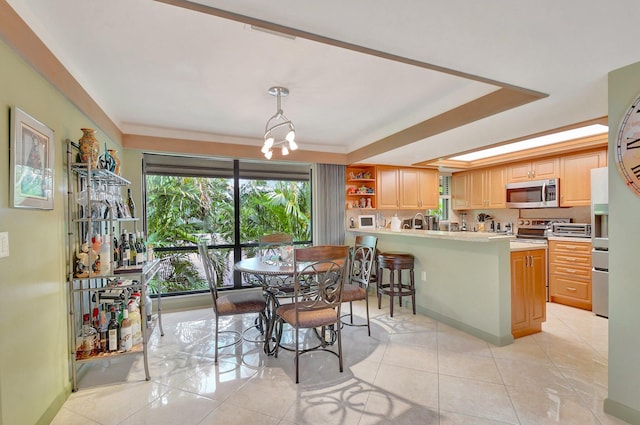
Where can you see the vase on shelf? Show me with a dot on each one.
(89, 147)
(116, 160)
(106, 161)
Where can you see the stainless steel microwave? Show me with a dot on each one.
(533, 194)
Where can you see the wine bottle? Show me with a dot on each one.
(126, 337)
(133, 253)
(125, 250)
(130, 203)
(113, 331)
(116, 249)
(103, 331)
(140, 255)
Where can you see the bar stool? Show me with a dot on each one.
(395, 262)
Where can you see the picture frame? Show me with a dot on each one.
(31, 162)
(366, 221)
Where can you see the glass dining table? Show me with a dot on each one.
(276, 278)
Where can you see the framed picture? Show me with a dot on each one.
(31, 162)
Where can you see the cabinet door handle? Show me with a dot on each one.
(572, 289)
(533, 173)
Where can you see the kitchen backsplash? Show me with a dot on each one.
(502, 215)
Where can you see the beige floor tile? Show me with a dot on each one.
(388, 409)
(450, 418)
(411, 357)
(228, 414)
(546, 407)
(173, 407)
(479, 368)
(533, 375)
(415, 386)
(476, 398)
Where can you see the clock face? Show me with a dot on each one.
(628, 147)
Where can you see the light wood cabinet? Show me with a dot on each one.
(407, 188)
(460, 191)
(538, 169)
(575, 176)
(528, 292)
(477, 189)
(570, 273)
(487, 188)
(361, 187)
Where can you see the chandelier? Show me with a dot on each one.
(279, 131)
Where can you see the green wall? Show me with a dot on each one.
(34, 367)
(624, 283)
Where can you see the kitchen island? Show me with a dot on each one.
(462, 278)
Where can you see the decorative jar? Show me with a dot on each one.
(89, 147)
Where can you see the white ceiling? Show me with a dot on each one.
(156, 68)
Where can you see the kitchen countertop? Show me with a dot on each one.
(438, 234)
(569, 239)
(526, 246)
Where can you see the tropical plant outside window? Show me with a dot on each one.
(183, 210)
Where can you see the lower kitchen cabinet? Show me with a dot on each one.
(528, 291)
(570, 273)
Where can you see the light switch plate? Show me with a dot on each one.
(4, 244)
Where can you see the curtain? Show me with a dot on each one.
(329, 204)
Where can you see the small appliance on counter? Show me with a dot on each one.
(571, 230)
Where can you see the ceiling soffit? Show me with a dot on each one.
(505, 97)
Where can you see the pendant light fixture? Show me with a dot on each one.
(279, 131)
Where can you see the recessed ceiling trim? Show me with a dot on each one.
(493, 103)
(273, 27)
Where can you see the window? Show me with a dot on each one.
(230, 203)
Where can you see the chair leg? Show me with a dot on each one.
(278, 330)
(351, 311)
(297, 358)
(391, 294)
(339, 331)
(215, 344)
(366, 303)
(413, 289)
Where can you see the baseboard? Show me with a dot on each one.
(55, 406)
(485, 336)
(622, 411)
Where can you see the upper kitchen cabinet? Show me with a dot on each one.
(407, 188)
(460, 191)
(487, 188)
(477, 189)
(575, 176)
(361, 186)
(538, 169)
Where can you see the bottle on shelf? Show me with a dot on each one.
(103, 331)
(130, 203)
(125, 332)
(125, 250)
(116, 249)
(89, 339)
(136, 322)
(105, 255)
(133, 252)
(148, 307)
(113, 331)
(140, 254)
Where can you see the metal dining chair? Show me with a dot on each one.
(361, 264)
(318, 284)
(230, 303)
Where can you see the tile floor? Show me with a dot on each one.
(412, 370)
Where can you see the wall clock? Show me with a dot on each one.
(627, 154)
